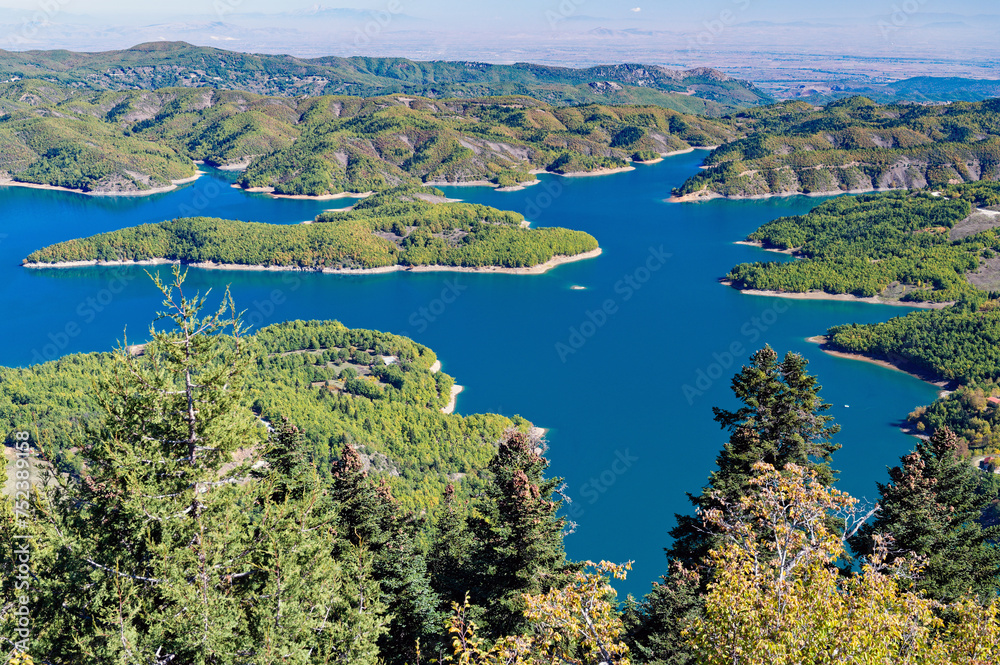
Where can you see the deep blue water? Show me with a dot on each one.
(624, 373)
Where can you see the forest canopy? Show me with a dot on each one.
(406, 226)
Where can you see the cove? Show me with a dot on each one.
(653, 339)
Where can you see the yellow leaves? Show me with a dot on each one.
(577, 625)
(777, 597)
(20, 658)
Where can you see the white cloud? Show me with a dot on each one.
(636, 9)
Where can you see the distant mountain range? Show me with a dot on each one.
(921, 89)
(164, 64)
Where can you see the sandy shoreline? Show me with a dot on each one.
(760, 245)
(483, 183)
(706, 195)
(588, 174)
(305, 197)
(96, 263)
(824, 344)
(455, 390)
(9, 182)
(845, 297)
(533, 270)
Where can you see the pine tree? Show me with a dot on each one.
(312, 607)
(931, 507)
(653, 626)
(782, 421)
(154, 526)
(369, 518)
(519, 537)
(450, 559)
(164, 551)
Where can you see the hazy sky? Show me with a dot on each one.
(653, 13)
(823, 35)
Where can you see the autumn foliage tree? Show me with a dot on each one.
(577, 624)
(778, 597)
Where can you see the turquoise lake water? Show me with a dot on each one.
(624, 373)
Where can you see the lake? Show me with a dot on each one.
(624, 372)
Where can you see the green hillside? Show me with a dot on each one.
(322, 145)
(329, 379)
(898, 245)
(852, 144)
(158, 65)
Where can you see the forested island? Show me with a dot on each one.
(402, 227)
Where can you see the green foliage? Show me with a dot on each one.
(967, 412)
(85, 153)
(654, 625)
(156, 65)
(960, 343)
(320, 145)
(645, 156)
(852, 144)
(782, 422)
(160, 552)
(931, 508)
(894, 244)
(510, 543)
(370, 519)
(382, 231)
(296, 375)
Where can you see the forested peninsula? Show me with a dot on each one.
(403, 227)
(381, 392)
(915, 248)
(120, 141)
(851, 145)
(906, 246)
